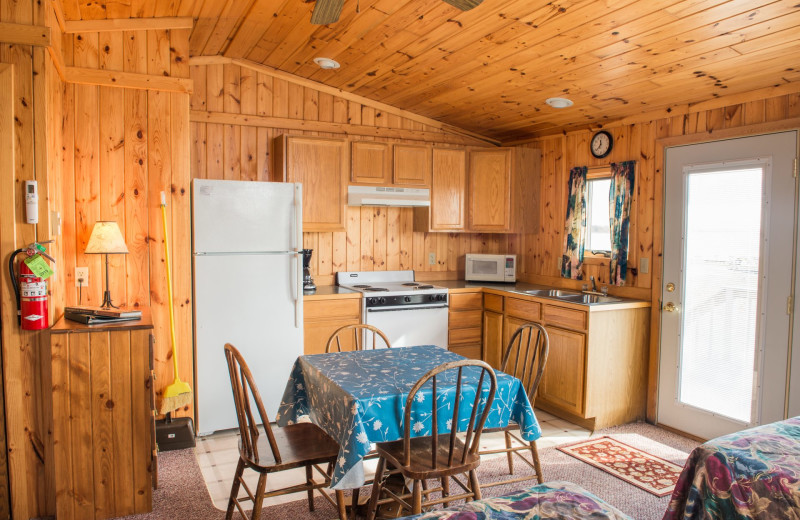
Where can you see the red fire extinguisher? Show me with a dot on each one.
(30, 290)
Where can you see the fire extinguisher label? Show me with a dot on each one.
(34, 317)
(32, 290)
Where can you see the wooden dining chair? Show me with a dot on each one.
(436, 456)
(360, 333)
(525, 358)
(279, 449)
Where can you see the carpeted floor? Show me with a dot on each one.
(183, 495)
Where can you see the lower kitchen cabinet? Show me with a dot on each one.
(596, 371)
(103, 407)
(562, 381)
(493, 338)
(324, 317)
(465, 324)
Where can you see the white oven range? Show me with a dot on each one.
(407, 311)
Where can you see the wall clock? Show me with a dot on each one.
(601, 144)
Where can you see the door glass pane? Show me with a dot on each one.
(720, 307)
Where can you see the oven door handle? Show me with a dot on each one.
(409, 308)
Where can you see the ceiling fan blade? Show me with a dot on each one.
(464, 5)
(326, 11)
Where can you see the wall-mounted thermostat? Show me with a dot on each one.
(31, 202)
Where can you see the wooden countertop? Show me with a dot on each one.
(331, 292)
(65, 326)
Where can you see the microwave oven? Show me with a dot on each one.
(491, 268)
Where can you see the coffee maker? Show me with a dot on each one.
(308, 282)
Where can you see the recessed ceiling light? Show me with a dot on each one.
(558, 102)
(326, 63)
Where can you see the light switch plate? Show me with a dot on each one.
(644, 265)
(432, 258)
(81, 273)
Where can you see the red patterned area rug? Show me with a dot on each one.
(648, 472)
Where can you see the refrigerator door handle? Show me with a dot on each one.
(298, 225)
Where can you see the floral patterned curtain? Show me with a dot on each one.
(575, 227)
(619, 209)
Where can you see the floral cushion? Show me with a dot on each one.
(549, 500)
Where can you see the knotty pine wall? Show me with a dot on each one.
(31, 113)
(376, 239)
(124, 147)
(541, 251)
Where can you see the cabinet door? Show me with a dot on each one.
(564, 374)
(320, 165)
(370, 163)
(448, 189)
(490, 190)
(493, 338)
(317, 333)
(412, 165)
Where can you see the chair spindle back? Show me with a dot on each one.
(533, 357)
(360, 334)
(473, 429)
(243, 387)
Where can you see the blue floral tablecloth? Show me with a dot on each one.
(754, 473)
(551, 500)
(358, 399)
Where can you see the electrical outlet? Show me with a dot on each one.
(644, 265)
(432, 258)
(81, 277)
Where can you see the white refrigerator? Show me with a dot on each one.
(248, 277)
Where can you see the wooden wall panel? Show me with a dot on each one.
(29, 139)
(560, 153)
(129, 146)
(375, 238)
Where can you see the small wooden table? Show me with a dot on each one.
(103, 422)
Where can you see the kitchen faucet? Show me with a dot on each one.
(602, 292)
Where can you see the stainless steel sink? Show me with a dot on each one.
(552, 293)
(589, 298)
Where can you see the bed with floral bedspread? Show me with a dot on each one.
(550, 500)
(753, 473)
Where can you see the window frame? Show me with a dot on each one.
(593, 174)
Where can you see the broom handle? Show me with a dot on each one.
(169, 287)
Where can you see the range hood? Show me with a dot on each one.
(387, 196)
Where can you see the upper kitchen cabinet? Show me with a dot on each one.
(448, 193)
(320, 164)
(371, 163)
(490, 178)
(412, 165)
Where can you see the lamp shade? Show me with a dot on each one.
(106, 239)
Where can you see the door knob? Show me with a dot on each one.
(670, 287)
(670, 307)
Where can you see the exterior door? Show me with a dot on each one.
(728, 264)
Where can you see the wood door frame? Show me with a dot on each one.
(7, 169)
(658, 232)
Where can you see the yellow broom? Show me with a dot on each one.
(178, 394)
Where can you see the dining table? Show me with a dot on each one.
(751, 474)
(358, 398)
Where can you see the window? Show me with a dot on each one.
(598, 225)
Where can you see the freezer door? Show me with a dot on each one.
(249, 302)
(245, 216)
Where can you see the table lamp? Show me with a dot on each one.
(106, 239)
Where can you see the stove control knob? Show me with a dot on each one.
(442, 297)
(383, 301)
(433, 298)
(407, 299)
(371, 301)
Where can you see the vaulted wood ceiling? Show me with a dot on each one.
(490, 69)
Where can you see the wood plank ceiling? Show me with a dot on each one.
(490, 69)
